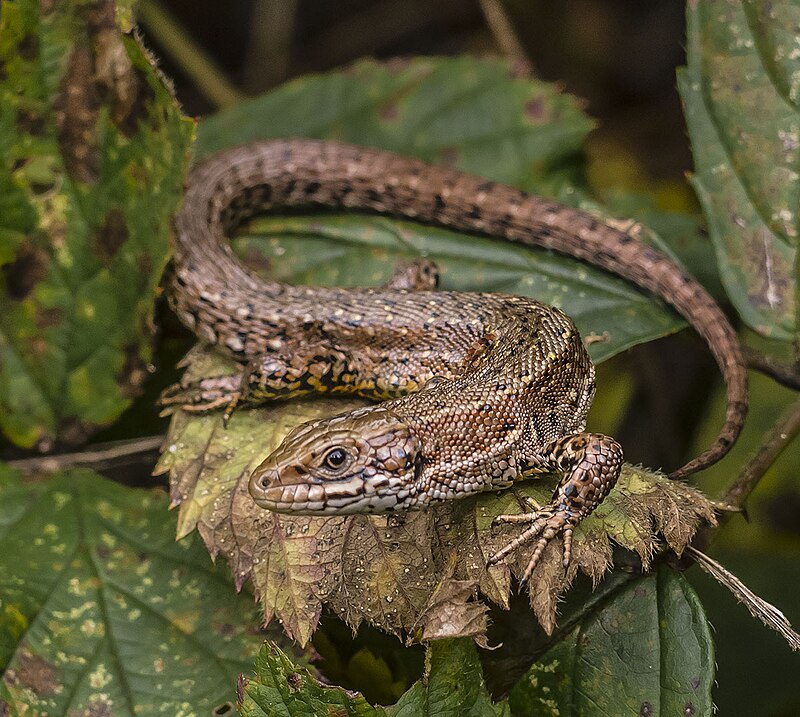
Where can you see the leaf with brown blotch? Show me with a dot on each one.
(93, 151)
(388, 570)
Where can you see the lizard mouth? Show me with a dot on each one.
(277, 492)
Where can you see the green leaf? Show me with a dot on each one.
(282, 688)
(648, 651)
(451, 687)
(93, 150)
(102, 612)
(478, 115)
(740, 92)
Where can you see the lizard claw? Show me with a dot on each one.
(545, 524)
(203, 396)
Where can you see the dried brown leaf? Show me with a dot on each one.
(453, 611)
(388, 570)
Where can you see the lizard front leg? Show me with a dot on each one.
(591, 464)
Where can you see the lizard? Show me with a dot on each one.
(475, 390)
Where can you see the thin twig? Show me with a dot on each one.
(779, 436)
(269, 47)
(783, 373)
(503, 30)
(758, 608)
(97, 457)
(173, 39)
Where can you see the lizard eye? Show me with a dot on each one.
(335, 458)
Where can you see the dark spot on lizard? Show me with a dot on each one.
(646, 710)
(419, 465)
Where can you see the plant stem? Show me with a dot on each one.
(779, 436)
(173, 39)
(783, 373)
(503, 30)
(102, 455)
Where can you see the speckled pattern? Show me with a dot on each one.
(479, 390)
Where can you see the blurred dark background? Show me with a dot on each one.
(620, 56)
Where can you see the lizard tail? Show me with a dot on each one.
(295, 173)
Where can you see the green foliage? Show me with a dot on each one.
(740, 92)
(92, 156)
(452, 686)
(101, 609)
(282, 688)
(478, 115)
(648, 651)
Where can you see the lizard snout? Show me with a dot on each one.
(284, 489)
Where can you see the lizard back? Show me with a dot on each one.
(226, 305)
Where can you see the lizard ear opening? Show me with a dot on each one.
(419, 464)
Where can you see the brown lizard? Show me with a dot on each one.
(478, 390)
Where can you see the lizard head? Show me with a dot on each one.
(364, 461)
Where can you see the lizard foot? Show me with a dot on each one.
(545, 524)
(207, 394)
(590, 464)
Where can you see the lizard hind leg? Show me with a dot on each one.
(590, 464)
(418, 274)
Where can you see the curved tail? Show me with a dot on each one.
(292, 173)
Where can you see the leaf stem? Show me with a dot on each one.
(206, 75)
(777, 438)
(100, 456)
(502, 30)
(785, 374)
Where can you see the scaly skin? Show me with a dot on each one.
(482, 389)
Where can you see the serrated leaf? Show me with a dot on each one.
(280, 687)
(102, 611)
(740, 92)
(93, 150)
(386, 569)
(451, 687)
(451, 612)
(647, 651)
